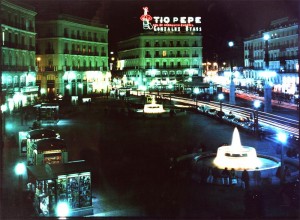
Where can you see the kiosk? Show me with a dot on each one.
(47, 113)
(47, 151)
(56, 183)
(28, 138)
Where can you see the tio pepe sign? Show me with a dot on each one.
(178, 24)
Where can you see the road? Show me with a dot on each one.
(276, 122)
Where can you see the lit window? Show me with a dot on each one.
(164, 53)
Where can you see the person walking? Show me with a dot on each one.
(210, 175)
(257, 176)
(225, 176)
(232, 177)
(245, 179)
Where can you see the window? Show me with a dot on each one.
(164, 53)
(157, 65)
(66, 32)
(148, 65)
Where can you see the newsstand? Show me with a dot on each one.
(67, 183)
(47, 150)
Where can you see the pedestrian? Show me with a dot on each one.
(245, 179)
(286, 174)
(225, 176)
(210, 177)
(257, 176)
(25, 118)
(22, 117)
(232, 177)
(216, 175)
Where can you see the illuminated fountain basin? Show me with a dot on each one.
(153, 109)
(237, 156)
(241, 157)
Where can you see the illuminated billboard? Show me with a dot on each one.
(164, 23)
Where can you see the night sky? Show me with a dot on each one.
(222, 20)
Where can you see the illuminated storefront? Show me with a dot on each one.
(54, 184)
(18, 55)
(280, 67)
(75, 61)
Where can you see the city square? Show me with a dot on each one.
(137, 109)
(130, 172)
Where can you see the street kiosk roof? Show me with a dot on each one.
(50, 144)
(41, 133)
(52, 171)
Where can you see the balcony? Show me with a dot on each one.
(49, 51)
(49, 68)
(18, 46)
(16, 68)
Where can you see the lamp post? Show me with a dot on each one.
(62, 210)
(256, 105)
(20, 170)
(196, 91)
(266, 38)
(221, 97)
(282, 138)
(267, 87)
(232, 86)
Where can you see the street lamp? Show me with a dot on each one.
(232, 86)
(20, 170)
(221, 97)
(282, 137)
(62, 210)
(196, 91)
(266, 38)
(256, 105)
(267, 87)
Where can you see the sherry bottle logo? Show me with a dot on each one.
(145, 18)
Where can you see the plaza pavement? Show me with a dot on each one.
(274, 206)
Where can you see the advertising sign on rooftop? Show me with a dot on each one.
(167, 24)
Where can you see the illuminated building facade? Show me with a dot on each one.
(18, 54)
(72, 56)
(163, 60)
(278, 54)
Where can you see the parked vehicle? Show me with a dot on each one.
(202, 109)
(212, 112)
(228, 118)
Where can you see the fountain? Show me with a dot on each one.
(240, 157)
(153, 107)
(237, 156)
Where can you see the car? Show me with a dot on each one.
(220, 114)
(212, 112)
(228, 118)
(202, 109)
(240, 122)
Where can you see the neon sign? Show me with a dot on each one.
(158, 23)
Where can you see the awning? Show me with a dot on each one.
(41, 133)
